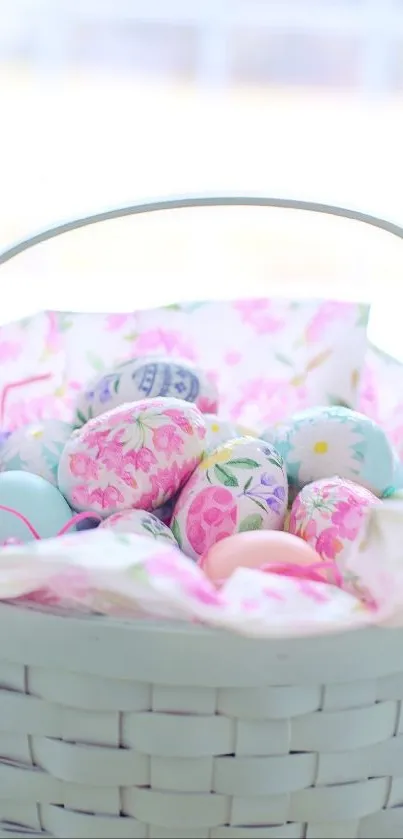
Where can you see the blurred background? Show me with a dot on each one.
(104, 102)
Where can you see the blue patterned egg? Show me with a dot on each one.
(142, 378)
(35, 499)
(36, 448)
(335, 441)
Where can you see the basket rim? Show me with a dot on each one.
(174, 653)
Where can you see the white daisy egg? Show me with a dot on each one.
(321, 442)
(140, 522)
(237, 487)
(136, 456)
(148, 377)
(36, 448)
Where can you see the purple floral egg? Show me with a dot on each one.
(237, 487)
(136, 456)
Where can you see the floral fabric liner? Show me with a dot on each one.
(129, 577)
(381, 394)
(268, 357)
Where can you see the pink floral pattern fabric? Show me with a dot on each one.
(381, 394)
(268, 358)
(125, 576)
(33, 372)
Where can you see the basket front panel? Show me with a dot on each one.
(90, 754)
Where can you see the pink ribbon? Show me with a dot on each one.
(74, 520)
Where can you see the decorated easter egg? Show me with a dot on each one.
(238, 487)
(329, 514)
(140, 522)
(136, 456)
(35, 499)
(36, 448)
(270, 550)
(245, 431)
(220, 429)
(142, 378)
(321, 442)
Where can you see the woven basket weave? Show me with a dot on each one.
(160, 730)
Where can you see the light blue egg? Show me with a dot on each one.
(39, 501)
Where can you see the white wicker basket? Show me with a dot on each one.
(160, 730)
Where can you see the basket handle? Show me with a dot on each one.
(196, 201)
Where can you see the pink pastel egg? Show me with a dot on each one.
(328, 514)
(264, 549)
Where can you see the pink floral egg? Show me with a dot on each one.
(237, 487)
(136, 456)
(329, 515)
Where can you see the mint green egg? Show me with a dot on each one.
(39, 501)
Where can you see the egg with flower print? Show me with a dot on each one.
(329, 514)
(334, 440)
(150, 377)
(237, 487)
(136, 456)
(140, 522)
(220, 430)
(36, 448)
